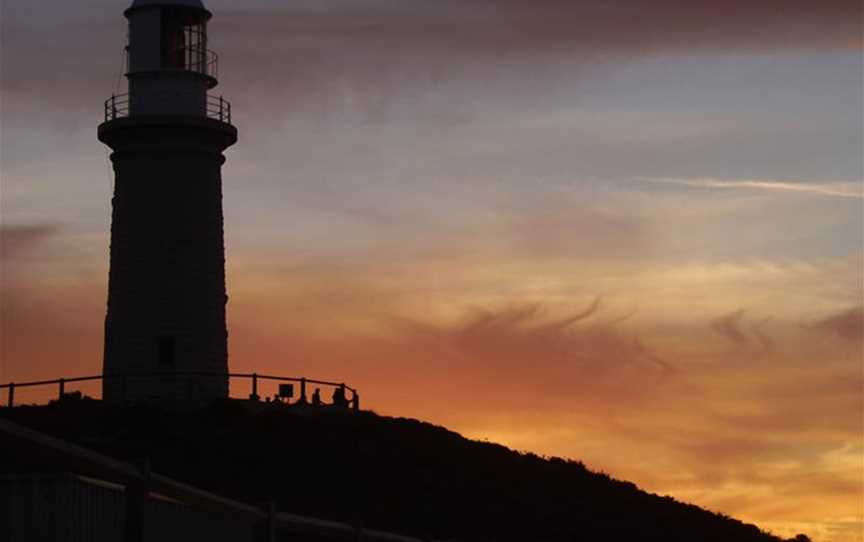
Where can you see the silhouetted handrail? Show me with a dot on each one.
(254, 377)
(216, 107)
(200, 60)
(117, 106)
(77, 459)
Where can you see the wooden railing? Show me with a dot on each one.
(61, 383)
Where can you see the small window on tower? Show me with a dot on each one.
(167, 346)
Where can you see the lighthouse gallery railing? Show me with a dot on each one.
(217, 107)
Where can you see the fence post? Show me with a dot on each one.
(356, 401)
(302, 391)
(254, 395)
(11, 394)
(62, 390)
(271, 521)
(136, 495)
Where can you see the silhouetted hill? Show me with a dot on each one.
(394, 474)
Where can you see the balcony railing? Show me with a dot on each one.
(118, 106)
(203, 61)
(219, 108)
(194, 59)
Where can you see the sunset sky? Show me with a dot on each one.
(625, 232)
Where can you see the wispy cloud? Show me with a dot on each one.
(833, 189)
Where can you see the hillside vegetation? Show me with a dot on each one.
(393, 474)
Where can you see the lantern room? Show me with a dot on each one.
(169, 66)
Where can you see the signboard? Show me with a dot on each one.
(286, 390)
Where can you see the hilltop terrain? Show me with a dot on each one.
(393, 474)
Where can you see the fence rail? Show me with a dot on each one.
(118, 107)
(125, 377)
(140, 483)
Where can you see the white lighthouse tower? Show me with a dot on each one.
(166, 291)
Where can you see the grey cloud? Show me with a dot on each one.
(564, 25)
(16, 240)
(56, 44)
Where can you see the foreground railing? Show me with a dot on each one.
(138, 485)
(124, 378)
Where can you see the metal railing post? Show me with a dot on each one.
(254, 396)
(62, 390)
(302, 391)
(11, 397)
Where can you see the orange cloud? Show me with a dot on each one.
(613, 358)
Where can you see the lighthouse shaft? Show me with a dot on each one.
(166, 287)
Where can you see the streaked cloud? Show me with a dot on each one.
(832, 189)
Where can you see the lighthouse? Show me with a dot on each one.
(165, 329)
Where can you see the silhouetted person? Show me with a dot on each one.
(316, 397)
(72, 396)
(339, 399)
